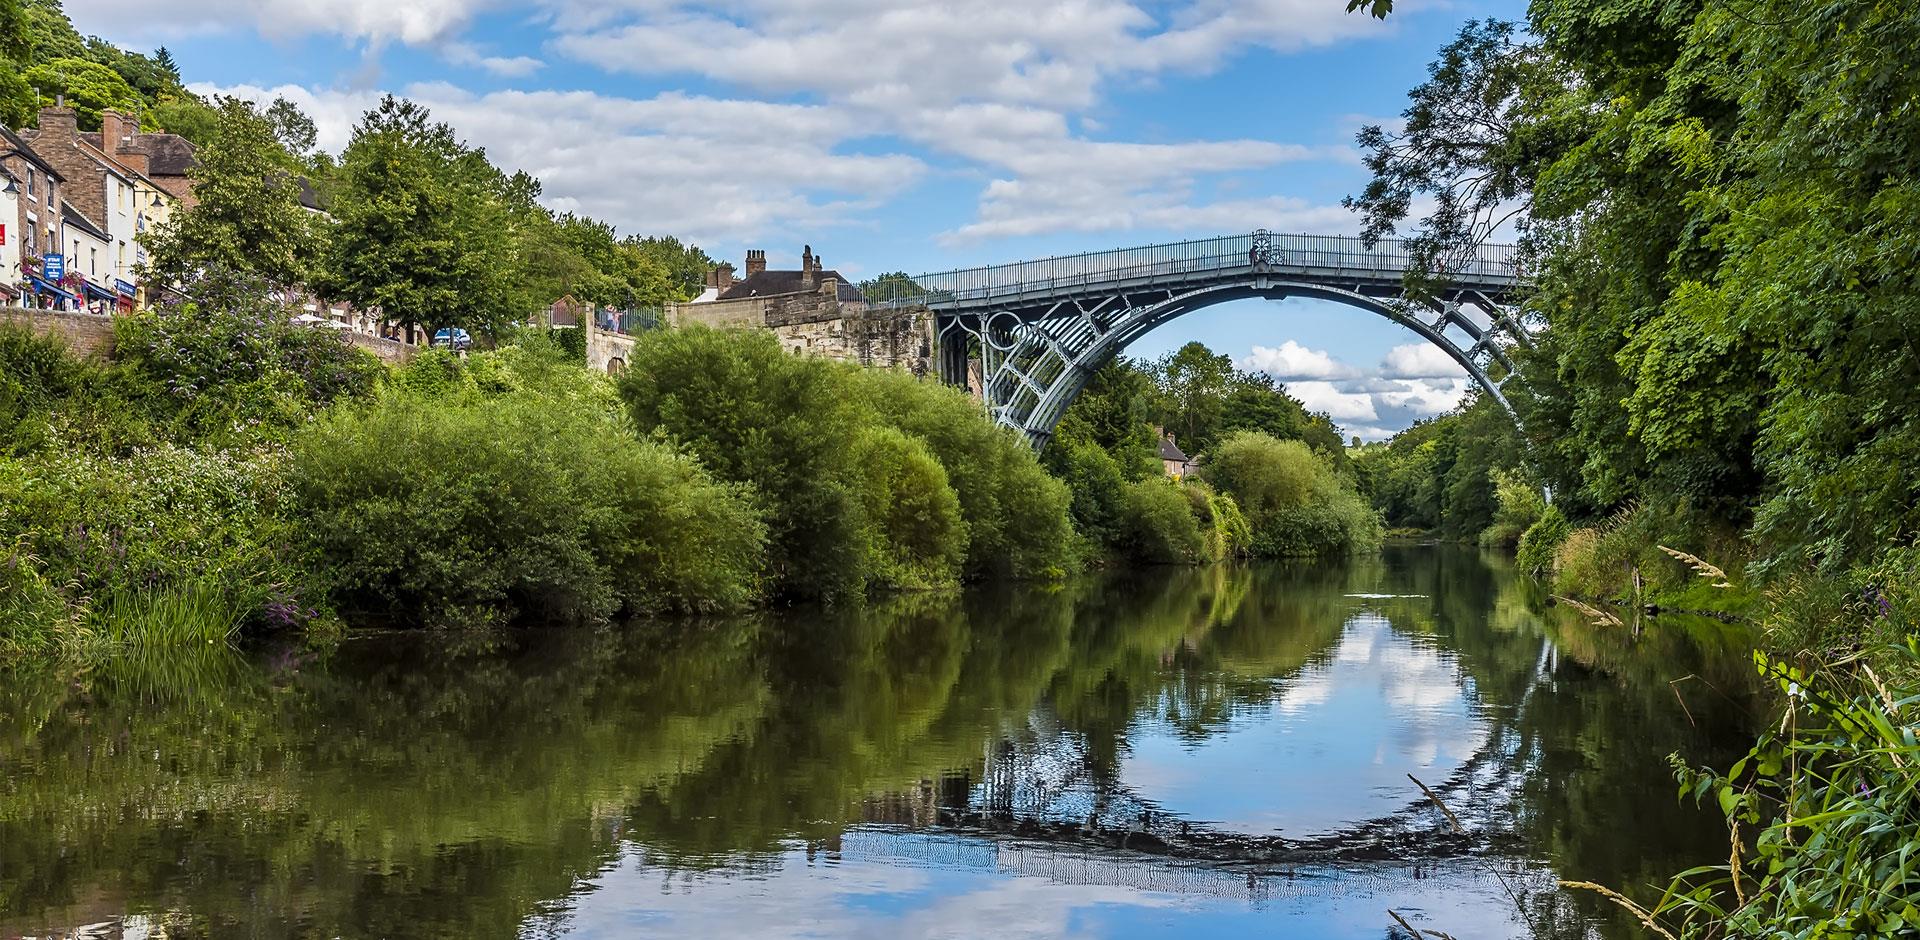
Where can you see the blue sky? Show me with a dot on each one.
(895, 134)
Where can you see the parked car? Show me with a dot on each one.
(454, 338)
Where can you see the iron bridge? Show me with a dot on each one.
(1027, 336)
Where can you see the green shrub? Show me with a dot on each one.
(434, 509)
(1159, 526)
(1828, 806)
(1294, 501)
(93, 541)
(783, 424)
(1096, 488)
(1538, 544)
(919, 538)
(1222, 524)
(1016, 513)
(235, 348)
(1518, 505)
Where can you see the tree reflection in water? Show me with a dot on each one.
(476, 785)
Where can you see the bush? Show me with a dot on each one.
(1829, 804)
(1519, 504)
(1096, 488)
(783, 424)
(1016, 513)
(787, 425)
(91, 543)
(435, 509)
(1295, 504)
(919, 538)
(1541, 541)
(1159, 526)
(1225, 527)
(230, 359)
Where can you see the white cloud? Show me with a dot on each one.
(1413, 381)
(409, 21)
(519, 66)
(706, 169)
(1291, 362)
(1420, 361)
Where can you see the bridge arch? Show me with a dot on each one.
(1041, 328)
(1053, 406)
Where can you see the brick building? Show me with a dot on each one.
(32, 224)
(115, 191)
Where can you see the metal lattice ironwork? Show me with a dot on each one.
(1027, 336)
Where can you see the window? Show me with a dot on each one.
(120, 260)
(30, 189)
(33, 240)
(93, 261)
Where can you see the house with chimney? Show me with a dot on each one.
(814, 310)
(110, 183)
(31, 190)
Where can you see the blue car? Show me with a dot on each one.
(455, 338)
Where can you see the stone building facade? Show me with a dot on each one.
(814, 311)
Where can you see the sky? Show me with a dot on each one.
(909, 135)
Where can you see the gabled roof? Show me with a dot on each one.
(786, 282)
(1170, 452)
(167, 154)
(79, 220)
(26, 152)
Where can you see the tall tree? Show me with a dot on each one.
(422, 229)
(1193, 381)
(247, 218)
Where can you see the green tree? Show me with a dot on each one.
(685, 267)
(247, 217)
(1193, 382)
(421, 226)
(88, 87)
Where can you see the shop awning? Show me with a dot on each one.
(44, 286)
(97, 292)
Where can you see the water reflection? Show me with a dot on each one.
(1333, 743)
(1171, 753)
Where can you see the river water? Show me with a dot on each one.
(1172, 753)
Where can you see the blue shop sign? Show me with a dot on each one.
(53, 267)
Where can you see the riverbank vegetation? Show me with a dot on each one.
(228, 471)
(1718, 212)
(1264, 477)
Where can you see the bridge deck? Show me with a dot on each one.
(1326, 258)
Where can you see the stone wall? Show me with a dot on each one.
(881, 339)
(817, 323)
(391, 352)
(88, 334)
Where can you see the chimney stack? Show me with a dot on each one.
(58, 122)
(806, 266)
(756, 261)
(721, 278)
(115, 126)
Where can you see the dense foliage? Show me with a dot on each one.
(1822, 815)
(463, 507)
(1296, 502)
(1443, 475)
(1720, 206)
(791, 427)
(1107, 449)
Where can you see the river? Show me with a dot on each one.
(1220, 752)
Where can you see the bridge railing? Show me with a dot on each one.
(1388, 258)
